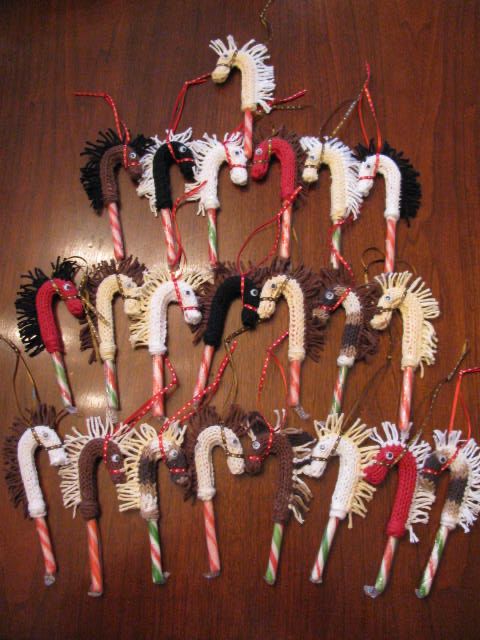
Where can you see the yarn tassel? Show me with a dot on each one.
(212, 236)
(248, 133)
(385, 569)
(390, 245)
(172, 258)
(62, 381)
(96, 584)
(158, 576)
(275, 548)
(111, 386)
(203, 372)
(336, 242)
(158, 408)
(339, 389)
(327, 539)
(116, 228)
(406, 399)
(433, 562)
(211, 536)
(284, 249)
(47, 550)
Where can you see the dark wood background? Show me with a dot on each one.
(425, 86)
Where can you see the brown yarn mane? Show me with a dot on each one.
(130, 267)
(221, 272)
(43, 415)
(311, 285)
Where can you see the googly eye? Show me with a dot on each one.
(182, 148)
(67, 287)
(311, 156)
(388, 298)
(442, 459)
(237, 152)
(256, 445)
(173, 454)
(274, 286)
(389, 455)
(329, 295)
(45, 435)
(322, 447)
(254, 293)
(233, 440)
(115, 457)
(132, 155)
(258, 152)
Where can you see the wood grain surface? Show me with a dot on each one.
(424, 60)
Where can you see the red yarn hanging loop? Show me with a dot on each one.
(366, 91)
(178, 238)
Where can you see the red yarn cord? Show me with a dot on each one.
(340, 301)
(271, 355)
(178, 237)
(180, 101)
(178, 295)
(276, 101)
(335, 251)
(366, 92)
(122, 129)
(458, 394)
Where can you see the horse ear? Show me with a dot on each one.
(318, 427)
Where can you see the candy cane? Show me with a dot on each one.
(111, 387)
(433, 562)
(116, 229)
(47, 550)
(158, 408)
(337, 245)
(390, 244)
(385, 569)
(212, 236)
(294, 386)
(275, 548)
(158, 576)
(166, 216)
(248, 133)
(284, 250)
(317, 572)
(204, 370)
(62, 381)
(96, 584)
(339, 389)
(211, 537)
(406, 399)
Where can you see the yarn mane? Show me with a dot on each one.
(410, 190)
(44, 415)
(197, 277)
(310, 285)
(74, 444)
(130, 267)
(349, 164)
(264, 74)
(90, 173)
(221, 272)
(134, 446)
(28, 324)
(368, 295)
(428, 304)
(146, 187)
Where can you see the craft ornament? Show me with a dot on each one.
(352, 493)
(36, 320)
(21, 474)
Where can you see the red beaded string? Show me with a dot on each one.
(340, 301)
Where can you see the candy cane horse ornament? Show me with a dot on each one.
(206, 432)
(155, 182)
(344, 194)
(258, 80)
(144, 450)
(36, 320)
(105, 281)
(79, 487)
(300, 288)
(412, 502)
(402, 189)
(462, 506)
(149, 325)
(99, 176)
(286, 147)
(21, 474)
(352, 493)
(209, 155)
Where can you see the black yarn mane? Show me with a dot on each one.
(411, 190)
(162, 162)
(90, 173)
(25, 303)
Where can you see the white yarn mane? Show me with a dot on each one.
(74, 444)
(146, 186)
(347, 176)
(256, 53)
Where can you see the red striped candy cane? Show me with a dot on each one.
(274, 557)
(62, 381)
(390, 245)
(111, 386)
(294, 387)
(211, 536)
(406, 399)
(212, 236)
(204, 371)
(284, 250)
(385, 569)
(166, 217)
(248, 133)
(47, 550)
(158, 408)
(116, 228)
(96, 584)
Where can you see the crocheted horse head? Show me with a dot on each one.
(105, 157)
(417, 306)
(19, 448)
(352, 492)
(209, 154)
(156, 163)
(345, 196)
(285, 146)
(258, 80)
(359, 339)
(36, 320)
(402, 188)
(412, 503)
(105, 281)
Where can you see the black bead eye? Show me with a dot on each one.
(182, 148)
(254, 293)
(188, 292)
(132, 155)
(274, 286)
(389, 455)
(115, 458)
